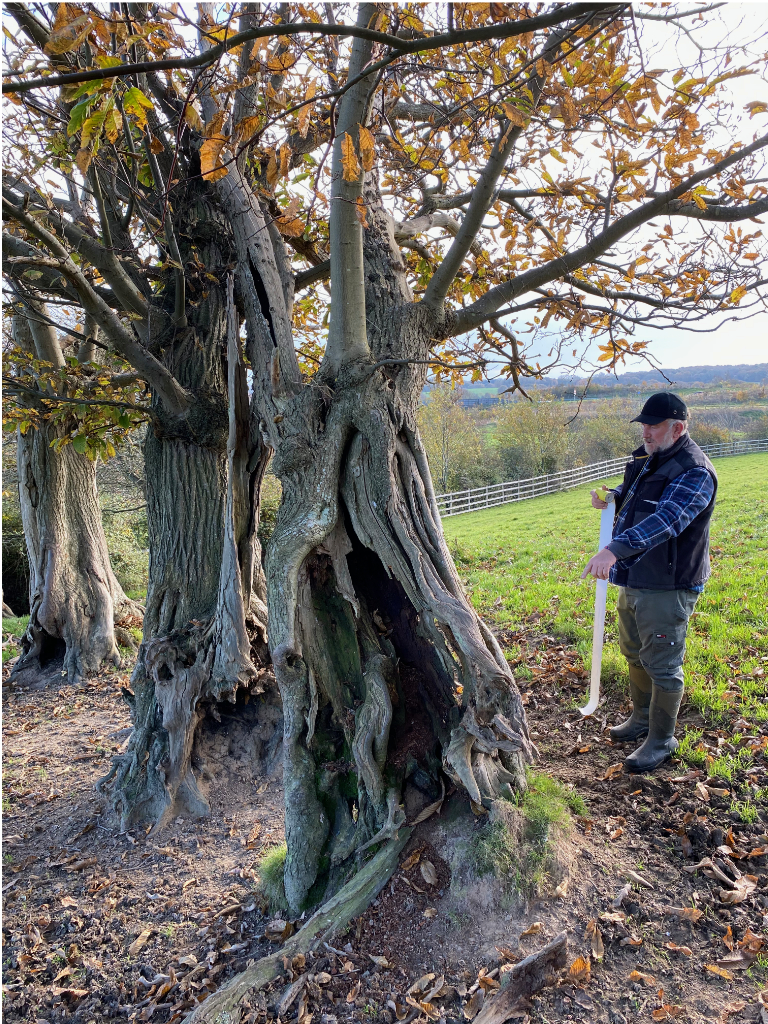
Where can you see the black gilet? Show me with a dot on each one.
(681, 563)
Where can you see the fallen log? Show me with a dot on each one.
(523, 980)
(224, 1006)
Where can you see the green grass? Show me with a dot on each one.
(270, 871)
(527, 558)
(13, 631)
(521, 861)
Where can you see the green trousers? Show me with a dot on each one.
(652, 629)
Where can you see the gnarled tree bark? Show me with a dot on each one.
(385, 671)
(76, 602)
(205, 619)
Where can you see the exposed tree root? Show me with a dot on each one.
(524, 979)
(224, 1006)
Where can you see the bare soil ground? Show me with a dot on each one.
(100, 925)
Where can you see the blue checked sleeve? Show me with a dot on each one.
(680, 503)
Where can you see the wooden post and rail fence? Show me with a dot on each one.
(476, 498)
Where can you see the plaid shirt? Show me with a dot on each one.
(682, 500)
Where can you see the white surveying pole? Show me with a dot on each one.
(601, 593)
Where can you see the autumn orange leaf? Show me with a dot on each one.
(349, 161)
(306, 110)
(367, 149)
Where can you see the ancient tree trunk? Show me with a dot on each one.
(387, 674)
(76, 603)
(205, 619)
(75, 598)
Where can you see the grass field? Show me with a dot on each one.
(525, 559)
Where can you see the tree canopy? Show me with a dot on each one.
(516, 149)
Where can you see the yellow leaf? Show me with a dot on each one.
(570, 113)
(281, 62)
(513, 115)
(719, 971)
(290, 227)
(507, 47)
(738, 294)
(367, 149)
(756, 107)
(136, 104)
(156, 145)
(272, 174)
(306, 110)
(113, 122)
(215, 125)
(360, 211)
(285, 160)
(349, 162)
(83, 160)
(700, 202)
(192, 118)
(580, 970)
(246, 129)
(647, 979)
(210, 165)
(69, 30)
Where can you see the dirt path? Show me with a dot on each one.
(100, 925)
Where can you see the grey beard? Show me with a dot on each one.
(662, 447)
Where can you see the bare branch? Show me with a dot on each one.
(165, 384)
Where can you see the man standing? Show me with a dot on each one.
(659, 558)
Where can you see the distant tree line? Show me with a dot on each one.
(471, 447)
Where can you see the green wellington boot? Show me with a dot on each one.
(661, 742)
(640, 689)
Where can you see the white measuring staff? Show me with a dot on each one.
(601, 593)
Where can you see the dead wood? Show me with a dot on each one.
(524, 979)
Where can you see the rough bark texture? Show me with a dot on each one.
(76, 602)
(525, 978)
(205, 620)
(384, 670)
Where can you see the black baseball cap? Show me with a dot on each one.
(662, 406)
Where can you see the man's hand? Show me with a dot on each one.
(600, 564)
(597, 501)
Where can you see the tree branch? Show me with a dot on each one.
(306, 278)
(717, 213)
(165, 384)
(347, 337)
(480, 311)
(483, 193)
(400, 46)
